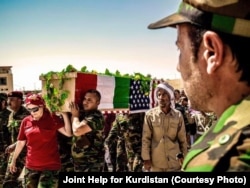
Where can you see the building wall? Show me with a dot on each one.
(6, 79)
(176, 83)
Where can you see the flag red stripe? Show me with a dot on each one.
(83, 83)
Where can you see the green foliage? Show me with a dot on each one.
(84, 69)
(70, 68)
(55, 96)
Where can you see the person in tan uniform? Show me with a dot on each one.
(164, 143)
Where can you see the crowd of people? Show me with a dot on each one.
(37, 144)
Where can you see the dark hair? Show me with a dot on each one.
(184, 99)
(237, 44)
(94, 91)
(177, 90)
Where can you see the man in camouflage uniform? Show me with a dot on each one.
(126, 134)
(65, 144)
(214, 61)
(4, 135)
(87, 144)
(15, 101)
(203, 121)
(185, 111)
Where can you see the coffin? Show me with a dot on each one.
(118, 93)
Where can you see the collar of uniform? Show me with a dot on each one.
(171, 112)
(233, 119)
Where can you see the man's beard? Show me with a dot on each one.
(163, 104)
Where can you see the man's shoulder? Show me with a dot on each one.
(176, 112)
(5, 112)
(227, 145)
(153, 111)
(23, 111)
(93, 113)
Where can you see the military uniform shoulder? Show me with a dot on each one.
(24, 111)
(97, 113)
(6, 111)
(246, 131)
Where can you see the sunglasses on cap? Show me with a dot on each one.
(35, 109)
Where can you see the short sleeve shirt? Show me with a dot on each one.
(41, 141)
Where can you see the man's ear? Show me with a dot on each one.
(213, 52)
(98, 102)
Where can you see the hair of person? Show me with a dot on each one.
(96, 92)
(237, 44)
(184, 99)
(177, 90)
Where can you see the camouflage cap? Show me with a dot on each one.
(229, 16)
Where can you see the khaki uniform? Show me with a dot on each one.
(164, 136)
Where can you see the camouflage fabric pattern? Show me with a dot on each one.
(217, 15)
(127, 131)
(116, 144)
(87, 150)
(110, 145)
(14, 123)
(204, 121)
(13, 127)
(4, 141)
(210, 14)
(225, 146)
(65, 143)
(4, 132)
(41, 179)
